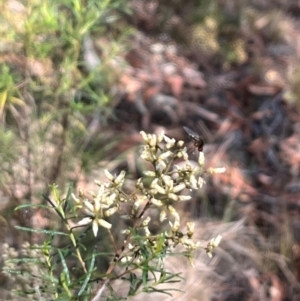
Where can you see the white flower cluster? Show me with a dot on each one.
(103, 204)
(166, 187)
(29, 261)
(167, 183)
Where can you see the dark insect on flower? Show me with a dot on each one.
(198, 142)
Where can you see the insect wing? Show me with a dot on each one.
(198, 142)
(194, 136)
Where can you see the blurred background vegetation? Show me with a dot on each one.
(80, 78)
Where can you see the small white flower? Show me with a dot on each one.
(179, 187)
(179, 155)
(201, 159)
(160, 167)
(160, 136)
(157, 187)
(169, 142)
(184, 197)
(156, 202)
(126, 259)
(99, 209)
(125, 231)
(149, 173)
(152, 140)
(147, 231)
(216, 170)
(146, 221)
(126, 217)
(162, 216)
(189, 243)
(139, 184)
(165, 155)
(212, 244)
(185, 156)
(111, 211)
(111, 198)
(176, 216)
(216, 241)
(144, 135)
(130, 246)
(167, 180)
(180, 143)
(147, 154)
(190, 227)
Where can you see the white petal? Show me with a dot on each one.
(156, 202)
(144, 135)
(167, 180)
(126, 259)
(217, 170)
(160, 189)
(95, 227)
(154, 183)
(111, 211)
(89, 206)
(110, 199)
(161, 165)
(162, 216)
(108, 175)
(97, 182)
(97, 205)
(173, 196)
(84, 221)
(217, 240)
(77, 200)
(149, 173)
(160, 136)
(104, 223)
(190, 226)
(193, 182)
(184, 197)
(152, 140)
(201, 159)
(120, 177)
(146, 221)
(201, 182)
(156, 187)
(179, 187)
